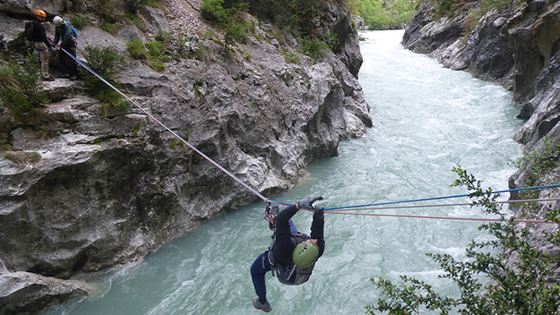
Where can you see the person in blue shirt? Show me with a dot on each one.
(65, 34)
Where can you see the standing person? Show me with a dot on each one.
(292, 255)
(41, 43)
(65, 34)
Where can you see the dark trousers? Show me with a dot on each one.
(258, 271)
(68, 64)
(261, 266)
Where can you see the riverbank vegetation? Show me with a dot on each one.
(384, 14)
(487, 283)
(295, 17)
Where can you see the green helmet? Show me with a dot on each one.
(305, 254)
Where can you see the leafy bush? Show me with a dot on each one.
(23, 158)
(314, 48)
(20, 86)
(136, 49)
(79, 21)
(229, 16)
(213, 10)
(109, 27)
(385, 14)
(132, 6)
(154, 53)
(106, 63)
(521, 287)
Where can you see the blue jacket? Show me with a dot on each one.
(65, 34)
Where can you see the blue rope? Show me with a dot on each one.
(256, 192)
(167, 128)
(440, 198)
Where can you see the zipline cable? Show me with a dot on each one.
(165, 127)
(457, 204)
(328, 210)
(440, 198)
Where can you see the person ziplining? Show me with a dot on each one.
(292, 254)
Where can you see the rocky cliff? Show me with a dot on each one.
(518, 46)
(107, 186)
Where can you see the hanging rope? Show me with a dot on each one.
(331, 210)
(164, 126)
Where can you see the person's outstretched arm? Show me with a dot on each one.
(317, 229)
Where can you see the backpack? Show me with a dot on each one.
(73, 36)
(29, 32)
(74, 32)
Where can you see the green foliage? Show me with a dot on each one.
(80, 21)
(213, 10)
(541, 160)
(298, 17)
(379, 15)
(106, 10)
(154, 53)
(136, 49)
(109, 27)
(132, 19)
(177, 142)
(132, 6)
(518, 288)
(20, 86)
(203, 52)
(23, 158)
(230, 17)
(291, 57)
(105, 62)
(315, 48)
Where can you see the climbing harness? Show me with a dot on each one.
(341, 210)
(292, 274)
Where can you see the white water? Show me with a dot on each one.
(427, 119)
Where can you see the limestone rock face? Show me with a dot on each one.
(511, 47)
(518, 47)
(39, 292)
(86, 186)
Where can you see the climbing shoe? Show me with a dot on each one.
(49, 78)
(264, 307)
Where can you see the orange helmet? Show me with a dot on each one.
(40, 13)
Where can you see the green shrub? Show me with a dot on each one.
(132, 19)
(213, 10)
(379, 14)
(314, 48)
(23, 158)
(153, 53)
(230, 17)
(20, 86)
(136, 49)
(164, 37)
(155, 49)
(79, 21)
(106, 63)
(132, 6)
(519, 287)
(106, 10)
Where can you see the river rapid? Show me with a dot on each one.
(427, 120)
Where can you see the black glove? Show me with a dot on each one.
(307, 203)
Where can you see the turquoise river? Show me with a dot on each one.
(427, 119)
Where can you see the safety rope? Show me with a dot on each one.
(331, 210)
(165, 127)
